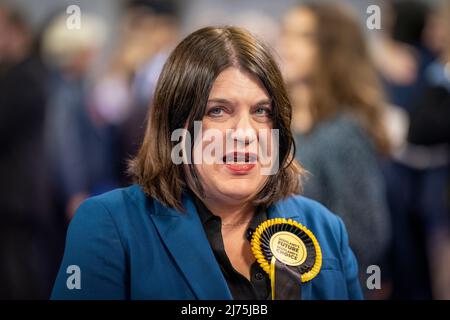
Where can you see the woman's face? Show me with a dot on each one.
(297, 46)
(238, 108)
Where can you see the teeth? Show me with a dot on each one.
(239, 158)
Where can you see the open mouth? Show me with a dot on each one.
(240, 157)
(240, 163)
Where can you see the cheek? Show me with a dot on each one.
(299, 61)
(268, 141)
(208, 176)
(311, 56)
(305, 54)
(300, 52)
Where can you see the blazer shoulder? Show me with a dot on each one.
(327, 226)
(120, 196)
(310, 210)
(119, 206)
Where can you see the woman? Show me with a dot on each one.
(338, 121)
(183, 231)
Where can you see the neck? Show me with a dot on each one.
(230, 214)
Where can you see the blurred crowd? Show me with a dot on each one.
(371, 118)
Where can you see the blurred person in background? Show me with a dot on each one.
(25, 217)
(400, 51)
(160, 33)
(338, 120)
(430, 119)
(79, 146)
(121, 96)
(430, 128)
(404, 51)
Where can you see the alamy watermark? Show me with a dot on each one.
(73, 21)
(241, 146)
(373, 21)
(374, 277)
(74, 279)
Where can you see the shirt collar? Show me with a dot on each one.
(206, 215)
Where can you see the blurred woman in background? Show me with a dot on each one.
(27, 241)
(338, 115)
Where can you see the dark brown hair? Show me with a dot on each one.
(180, 99)
(345, 79)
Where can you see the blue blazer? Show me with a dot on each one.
(126, 245)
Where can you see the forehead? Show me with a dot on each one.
(300, 18)
(236, 85)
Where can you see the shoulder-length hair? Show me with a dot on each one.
(180, 99)
(345, 78)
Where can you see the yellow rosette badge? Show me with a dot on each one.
(289, 253)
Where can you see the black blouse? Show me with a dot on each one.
(258, 288)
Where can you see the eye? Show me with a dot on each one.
(215, 112)
(263, 111)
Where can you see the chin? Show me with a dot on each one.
(238, 188)
(236, 193)
(227, 185)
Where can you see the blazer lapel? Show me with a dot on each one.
(183, 234)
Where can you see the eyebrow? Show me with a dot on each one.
(226, 101)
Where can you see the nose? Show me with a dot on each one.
(243, 131)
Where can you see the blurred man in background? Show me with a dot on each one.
(417, 175)
(76, 145)
(24, 197)
(430, 129)
(122, 94)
